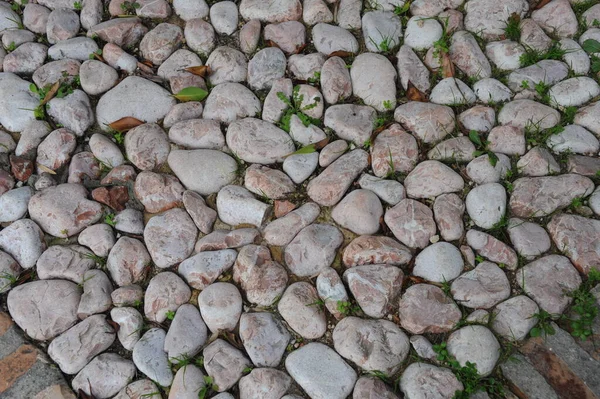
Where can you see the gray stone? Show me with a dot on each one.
(482, 287)
(411, 222)
(65, 262)
(188, 383)
(452, 91)
(170, 237)
(221, 306)
(374, 81)
(224, 363)
(491, 248)
(264, 337)
(150, 358)
(529, 239)
(13, 204)
(24, 241)
(421, 33)
(15, 106)
(264, 383)
(375, 287)
(313, 249)
(351, 122)
(389, 191)
(429, 122)
(299, 309)
(185, 165)
(127, 261)
(426, 308)
(514, 318)
(187, 334)
(475, 344)
(422, 380)
(165, 293)
(265, 67)
(104, 376)
(336, 83)
(486, 204)
(130, 323)
(439, 262)
(96, 294)
(257, 141)
(329, 38)
(448, 210)
(77, 48)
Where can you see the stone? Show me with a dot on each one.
(377, 92)
(548, 281)
(187, 334)
(329, 38)
(421, 33)
(25, 59)
(557, 18)
(62, 24)
(224, 363)
(448, 210)
(266, 66)
(74, 348)
(300, 167)
(475, 344)
(351, 122)
(224, 17)
(147, 146)
(529, 239)
(389, 191)
(223, 239)
(96, 294)
(55, 150)
(411, 222)
(468, 57)
(574, 139)
(375, 287)
(188, 10)
(271, 12)
(257, 141)
(158, 192)
(9, 270)
(331, 152)
(439, 262)
(332, 291)
(35, 18)
(227, 65)
(382, 30)
(289, 36)
(13, 204)
(127, 296)
(183, 112)
(315, 11)
(538, 162)
(127, 261)
(24, 241)
(429, 122)
(422, 380)
(202, 215)
(150, 358)
(65, 262)
(249, 36)
(264, 337)
(573, 92)
(411, 69)
(130, 323)
(491, 91)
(71, 211)
(482, 287)
(329, 187)
(426, 308)
(204, 268)
(105, 375)
(170, 237)
(505, 54)
(188, 382)
(313, 249)
(199, 36)
(328, 377)
(44, 309)
(386, 345)
(77, 48)
(486, 204)
(492, 248)
(396, 144)
(481, 171)
(117, 58)
(452, 91)
(298, 309)
(456, 149)
(368, 386)
(124, 32)
(137, 389)
(236, 206)
(281, 231)
(490, 18)
(130, 98)
(365, 250)
(547, 71)
(185, 163)
(274, 107)
(220, 305)
(336, 83)
(14, 107)
(264, 383)
(165, 292)
(359, 212)
(514, 318)
(348, 15)
(524, 113)
(540, 196)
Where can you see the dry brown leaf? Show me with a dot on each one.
(447, 65)
(414, 94)
(84, 395)
(51, 93)
(114, 325)
(145, 68)
(46, 169)
(202, 71)
(271, 43)
(341, 53)
(541, 4)
(124, 124)
(299, 49)
(322, 143)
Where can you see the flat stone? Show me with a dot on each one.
(170, 237)
(25, 59)
(328, 188)
(374, 81)
(548, 72)
(147, 146)
(529, 239)
(300, 167)
(127, 296)
(281, 231)
(64, 262)
(491, 248)
(96, 294)
(13, 204)
(74, 348)
(265, 67)
(204, 268)
(573, 92)
(514, 318)
(105, 375)
(224, 363)
(486, 204)
(313, 249)
(439, 262)
(538, 162)
(540, 196)
(130, 323)
(321, 372)
(429, 122)
(366, 386)
(264, 337)
(237, 206)
(263, 380)
(44, 309)
(329, 38)
(24, 241)
(298, 307)
(150, 358)
(227, 65)
(221, 306)
(482, 287)
(557, 18)
(124, 32)
(411, 222)
(375, 287)
(185, 164)
(475, 344)
(15, 105)
(426, 308)
(77, 48)
(456, 149)
(187, 10)
(491, 91)
(288, 36)
(574, 235)
(574, 139)
(271, 12)
(165, 292)
(387, 345)
(9, 270)
(366, 249)
(525, 113)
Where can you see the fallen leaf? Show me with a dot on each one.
(299, 49)
(309, 149)
(145, 68)
(417, 280)
(271, 43)
(202, 71)
(124, 124)
(320, 144)
(447, 65)
(541, 4)
(51, 93)
(84, 395)
(46, 169)
(114, 325)
(191, 94)
(24, 277)
(341, 53)
(414, 94)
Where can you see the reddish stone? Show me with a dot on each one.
(115, 197)
(120, 174)
(13, 366)
(6, 181)
(21, 168)
(282, 208)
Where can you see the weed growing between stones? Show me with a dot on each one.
(513, 28)
(532, 56)
(584, 307)
(468, 376)
(482, 147)
(294, 107)
(544, 324)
